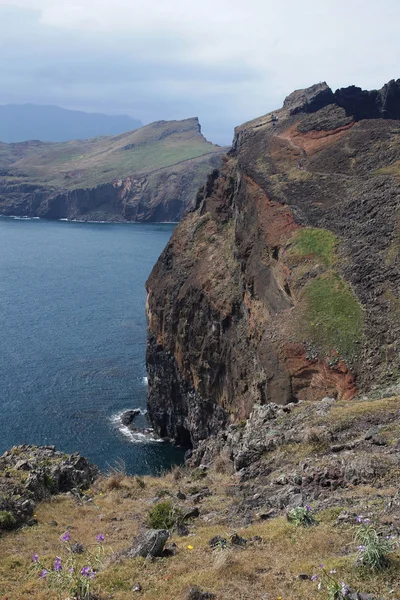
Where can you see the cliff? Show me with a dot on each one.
(151, 174)
(283, 284)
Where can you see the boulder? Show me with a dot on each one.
(149, 544)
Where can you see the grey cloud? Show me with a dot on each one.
(148, 78)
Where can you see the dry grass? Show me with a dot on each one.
(261, 570)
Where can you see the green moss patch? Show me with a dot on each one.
(320, 244)
(331, 316)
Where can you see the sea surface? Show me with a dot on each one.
(73, 338)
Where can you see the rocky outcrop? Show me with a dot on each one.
(29, 474)
(151, 174)
(283, 284)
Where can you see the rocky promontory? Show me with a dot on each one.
(283, 284)
(150, 174)
(29, 474)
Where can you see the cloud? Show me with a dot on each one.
(226, 61)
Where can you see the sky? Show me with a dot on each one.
(225, 62)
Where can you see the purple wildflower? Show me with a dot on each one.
(100, 538)
(321, 566)
(71, 570)
(361, 548)
(360, 519)
(57, 564)
(308, 507)
(314, 578)
(35, 558)
(66, 537)
(345, 589)
(85, 571)
(92, 575)
(367, 521)
(43, 573)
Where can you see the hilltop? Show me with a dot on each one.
(152, 174)
(21, 122)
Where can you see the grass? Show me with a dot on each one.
(272, 565)
(320, 244)
(331, 315)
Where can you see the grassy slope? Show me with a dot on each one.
(99, 160)
(267, 569)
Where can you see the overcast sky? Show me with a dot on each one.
(225, 61)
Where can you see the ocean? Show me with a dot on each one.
(73, 339)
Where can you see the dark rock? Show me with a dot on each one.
(129, 415)
(237, 540)
(303, 576)
(77, 548)
(180, 495)
(149, 544)
(195, 593)
(269, 514)
(170, 550)
(137, 588)
(193, 513)
(217, 541)
(182, 530)
(309, 100)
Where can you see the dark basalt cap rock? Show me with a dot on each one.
(374, 104)
(310, 99)
(358, 103)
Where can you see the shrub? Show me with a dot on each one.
(302, 515)
(164, 515)
(114, 481)
(372, 547)
(7, 520)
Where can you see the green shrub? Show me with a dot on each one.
(302, 515)
(164, 515)
(7, 520)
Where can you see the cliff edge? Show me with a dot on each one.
(283, 284)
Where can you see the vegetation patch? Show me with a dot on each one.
(319, 244)
(331, 315)
(164, 515)
(7, 520)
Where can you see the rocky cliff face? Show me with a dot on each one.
(151, 174)
(283, 284)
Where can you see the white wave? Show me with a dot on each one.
(145, 380)
(136, 437)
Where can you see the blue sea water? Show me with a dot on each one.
(73, 337)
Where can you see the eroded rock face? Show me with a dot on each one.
(283, 284)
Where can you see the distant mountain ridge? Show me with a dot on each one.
(21, 122)
(150, 174)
